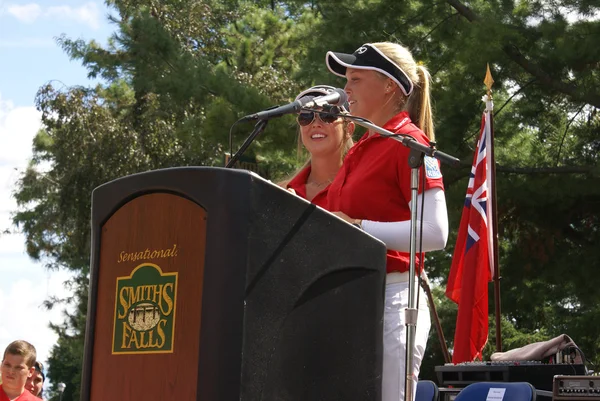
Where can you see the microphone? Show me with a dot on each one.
(335, 98)
(278, 111)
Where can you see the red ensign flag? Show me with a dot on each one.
(472, 266)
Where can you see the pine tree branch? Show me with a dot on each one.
(440, 67)
(513, 95)
(532, 68)
(546, 170)
(434, 28)
(463, 10)
(465, 170)
(568, 89)
(416, 17)
(562, 141)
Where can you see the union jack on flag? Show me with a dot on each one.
(472, 263)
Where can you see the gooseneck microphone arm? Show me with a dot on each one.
(278, 111)
(406, 140)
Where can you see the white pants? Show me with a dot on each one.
(394, 340)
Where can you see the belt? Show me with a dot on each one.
(396, 277)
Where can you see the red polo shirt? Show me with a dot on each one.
(374, 182)
(298, 184)
(25, 396)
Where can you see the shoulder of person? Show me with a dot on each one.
(32, 397)
(412, 130)
(27, 396)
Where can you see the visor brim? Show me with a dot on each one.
(338, 62)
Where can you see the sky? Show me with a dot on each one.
(29, 58)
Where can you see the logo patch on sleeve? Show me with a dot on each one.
(432, 168)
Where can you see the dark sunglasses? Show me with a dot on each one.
(307, 117)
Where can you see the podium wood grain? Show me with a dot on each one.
(155, 222)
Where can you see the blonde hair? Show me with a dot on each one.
(418, 104)
(24, 349)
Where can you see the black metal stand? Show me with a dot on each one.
(415, 161)
(258, 128)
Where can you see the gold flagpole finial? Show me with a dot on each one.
(488, 81)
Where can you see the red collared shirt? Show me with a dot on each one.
(374, 182)
(25, 396)
(298, 184)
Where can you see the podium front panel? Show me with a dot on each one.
(149, 300)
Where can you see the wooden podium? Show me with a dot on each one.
(210, 284)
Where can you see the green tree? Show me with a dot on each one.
(177, 72)
(170, 90)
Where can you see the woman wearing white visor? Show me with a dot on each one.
(372, 189)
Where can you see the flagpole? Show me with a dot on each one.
(474, 262)
(436, 317)
(489, 81)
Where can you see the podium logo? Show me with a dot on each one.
(145, 311)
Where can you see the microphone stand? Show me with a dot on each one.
(261, 125)
(305, 103)
(415, 161)
(258, 128)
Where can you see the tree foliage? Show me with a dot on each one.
(178, 74)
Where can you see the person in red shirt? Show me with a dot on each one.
(327, 139)
(372, 189)
(17, 365)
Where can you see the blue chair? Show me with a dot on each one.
(517, 391)
(427, 391)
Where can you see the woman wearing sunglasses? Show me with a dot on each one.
(372, 188)
(327, 139)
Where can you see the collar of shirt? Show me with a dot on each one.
(393, 125)
(298, 183)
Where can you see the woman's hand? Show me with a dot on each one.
(347, 218)
(344, 216)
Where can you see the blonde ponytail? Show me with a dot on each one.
(419, 104)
